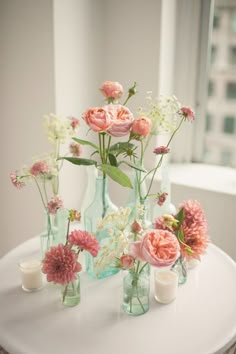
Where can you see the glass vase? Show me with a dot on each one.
(181, 268)
(140, 207)
(71, 293)
(136, 289)
(99, 208)
(55, 232)
(167, 207)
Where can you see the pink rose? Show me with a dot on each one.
(98, 119)
(142, 126)
(160, 248)
(112, 89)
(122, 120)
(126, 261)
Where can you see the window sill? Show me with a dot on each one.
(207, 177)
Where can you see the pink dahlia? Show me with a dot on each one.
(187, 113)
(54, 205)
(39, 167)
(85, 241)
(162, 198)
(75, 149)
(60, 265)
(194, 229)
(161, 150)
(16, 180)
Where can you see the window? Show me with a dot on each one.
(208, 122)
(233, 21)
(211, 88)
(232, 55)
(213, 54)
(230, 125)
(231, 90)
(216, 20)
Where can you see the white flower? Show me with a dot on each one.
(57, 128)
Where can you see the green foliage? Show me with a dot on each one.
(79, 161)
(117, 175)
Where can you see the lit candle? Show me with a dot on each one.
(31, 275)
(166, 285)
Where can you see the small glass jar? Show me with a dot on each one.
(136, 289)
(31, 275)
(181, 268)
(71, 293)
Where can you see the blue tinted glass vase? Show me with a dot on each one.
(55, 232)
(98, 209)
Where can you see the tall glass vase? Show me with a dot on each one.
(140, 207)
(99, 208)
(71, 293)
(55, 231)
(167, 207)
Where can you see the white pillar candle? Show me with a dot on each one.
(166, 285)
(31, 275)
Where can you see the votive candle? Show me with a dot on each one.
(31, 275)
(166, 285)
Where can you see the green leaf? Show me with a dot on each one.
(79, 161)
(120, 147)
(117, 175)
(86, 142)
(180, 216)
(112, 160)
(132, 166)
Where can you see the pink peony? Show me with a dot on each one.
(126, 261)
(54, 205)
(136, 226)
(141, 126)
(187, 113)
(39, 167)
(98, 119)
(194, 229)
(74, 122)
(162, 198)
(112, 89)
(60, 264)
(16, 181)
(161, 150)
(75, 149)
(85, 241)
(160, 248)
(122, 120)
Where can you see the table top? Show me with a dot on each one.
(202, 319)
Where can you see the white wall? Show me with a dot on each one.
(26, 91)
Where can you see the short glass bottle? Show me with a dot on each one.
(181, 268)
(136, 289)
(71, 293)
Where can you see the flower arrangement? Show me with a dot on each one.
(44, 170)
(61, 264)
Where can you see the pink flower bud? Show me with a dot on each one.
(136, 226)
(161, 150)
(126, 261)
(162, 198)
(112, 89)
(141, 126)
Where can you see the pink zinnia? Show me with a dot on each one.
(161, 150)
(39, 167)
(162, 198)
(74, 122)
(60, 265)
(15, 179)
(75, 149)
(187, 113)
(194, 229)
(85, 241)
(54, 205)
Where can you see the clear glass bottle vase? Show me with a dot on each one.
(70, 293)
(55, 231)
(181, 268)
(98, 209)
(136, 289)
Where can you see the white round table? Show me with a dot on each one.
(202, 319)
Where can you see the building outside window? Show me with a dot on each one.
(220, 127)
